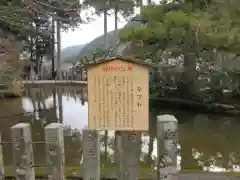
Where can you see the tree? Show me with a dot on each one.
(106, 7)
(30, 20)
(125, 8)
(188, 29)
(11, 67)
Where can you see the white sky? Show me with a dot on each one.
(88, 32)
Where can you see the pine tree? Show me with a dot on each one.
(189, 29)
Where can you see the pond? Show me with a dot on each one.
(206, 141)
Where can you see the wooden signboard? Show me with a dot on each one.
(118, 96)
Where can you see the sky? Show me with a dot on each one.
(88, 32)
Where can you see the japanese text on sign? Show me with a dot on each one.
(139, 97)
(117, 100)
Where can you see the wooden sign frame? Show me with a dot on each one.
(118, 95)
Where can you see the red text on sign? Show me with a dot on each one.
(117, 68)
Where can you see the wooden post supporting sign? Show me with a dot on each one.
(130, 157)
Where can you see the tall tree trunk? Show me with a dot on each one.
(141, 5)
(53, 49)
(116, 132)
(106, 47)
(116, 21)
(190, 88)
(37, 50)
(190, 75)
(59, 57)
(105, 30)
(37, 59)
(60, 105)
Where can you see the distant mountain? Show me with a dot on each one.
(71, 51)
(99, 42)
(68, 54)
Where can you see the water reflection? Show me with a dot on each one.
(207, 142)
(73, 112)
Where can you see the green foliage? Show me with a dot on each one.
(173, 25)
(23, 18)
(169, 30)
(192, 28)
(125, 8)
(31, 23)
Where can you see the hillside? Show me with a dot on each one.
(71, 51)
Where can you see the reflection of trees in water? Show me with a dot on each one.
(38, 97)
(78, 94)
(73, 148)
(207, 141)
(60, 105)
(41, 110)
(204, 139)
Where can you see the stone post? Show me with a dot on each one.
(91, 155)
(167, 126)
(54, 142)
(130, 155)
(1, 160)
(23, 151)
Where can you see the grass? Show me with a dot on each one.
(42, 171)
(235, 174)
(75, 171)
